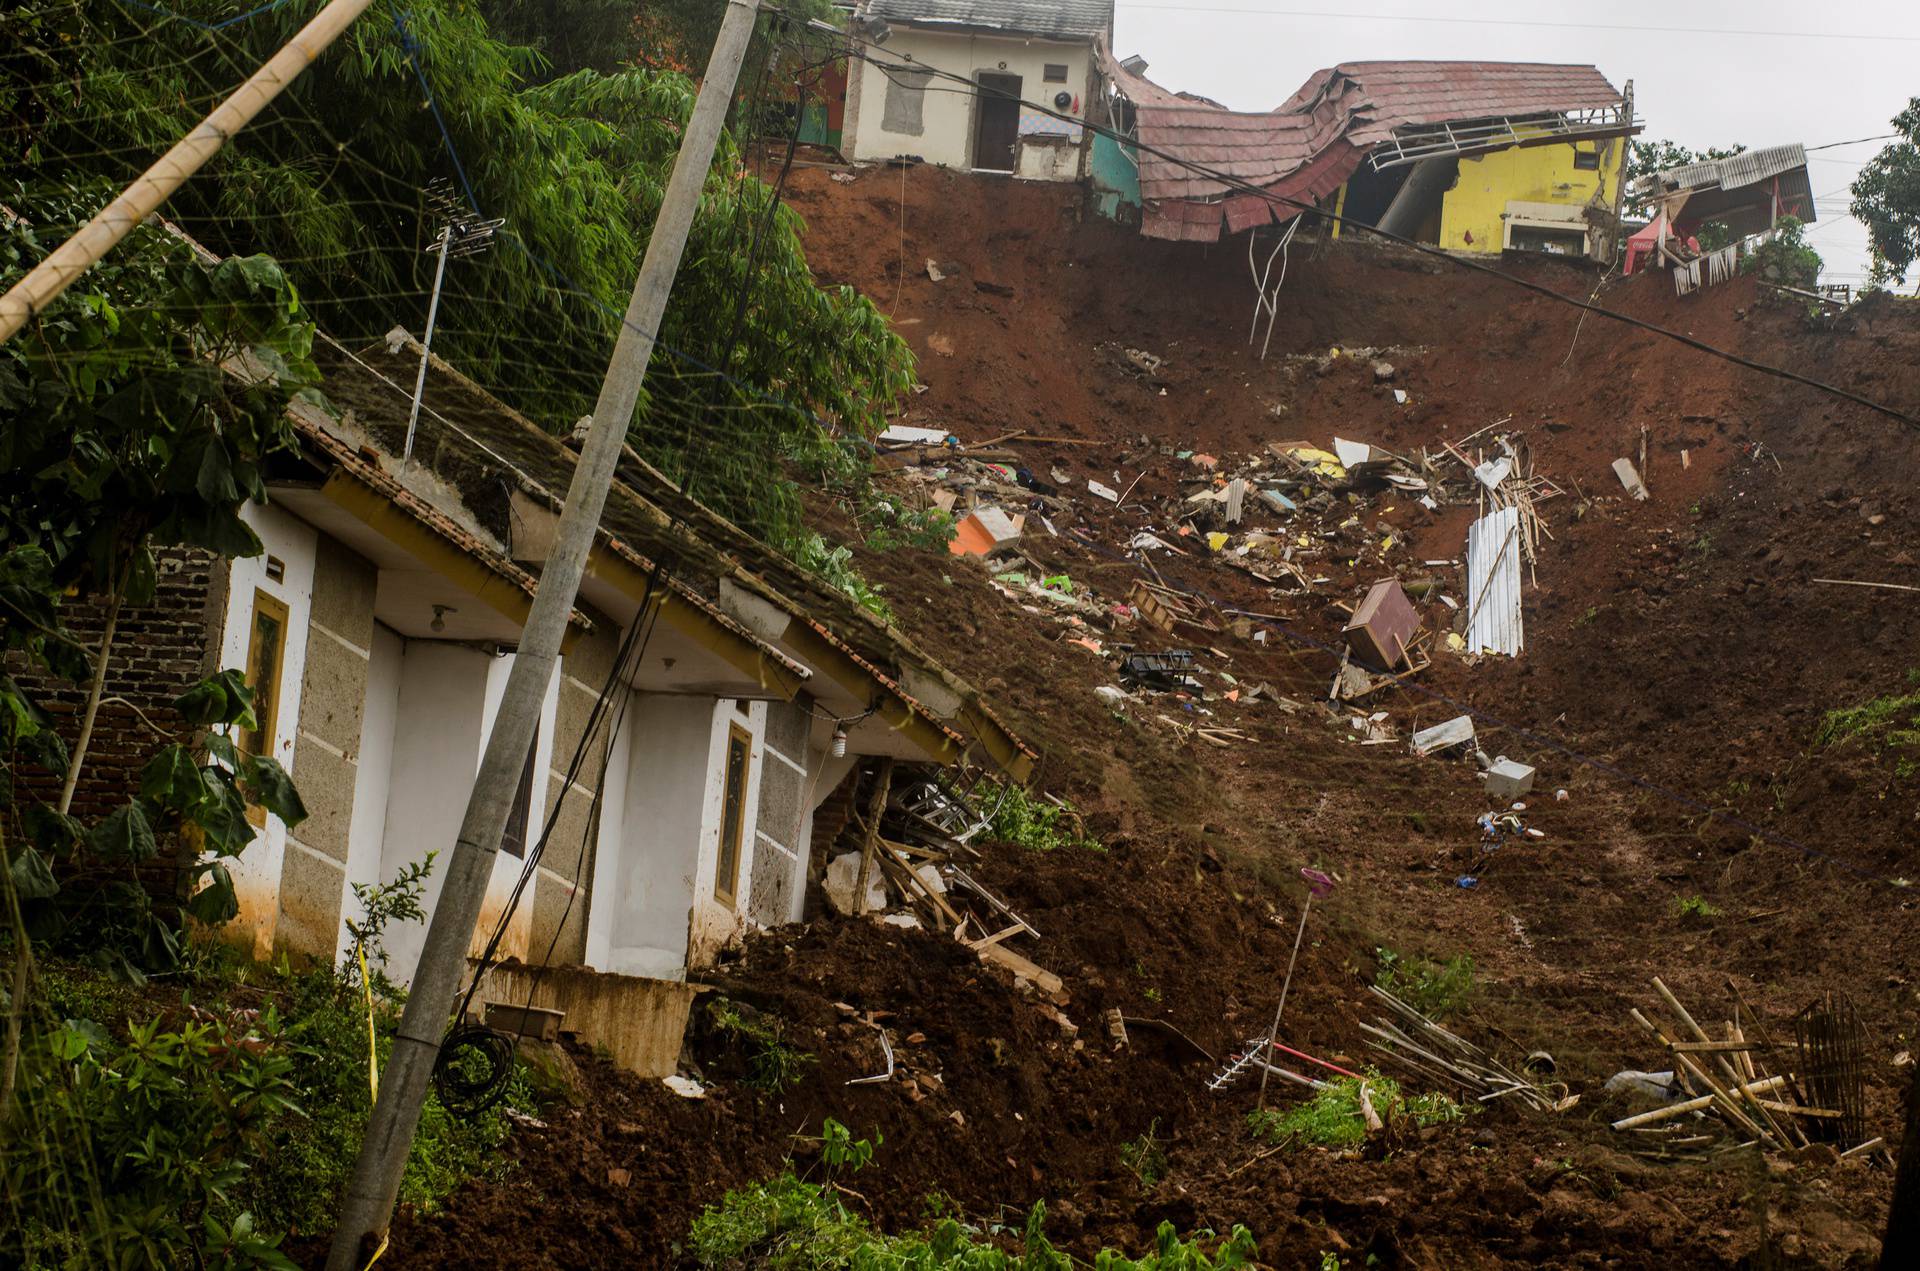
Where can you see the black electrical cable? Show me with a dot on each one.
(468, 1045)
(597, 808)
(1245, 187)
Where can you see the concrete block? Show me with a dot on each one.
(311, 889)
(1507, 779)
(534, 1022)
(985, 531)
(333, 692)
(843, 875)
(326, 783)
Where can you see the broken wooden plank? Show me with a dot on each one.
(1038, 976)
(906, 867)
(1005, 932)
(999, 906)
(882, 783)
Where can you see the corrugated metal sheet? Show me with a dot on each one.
(1745, 168)
(1058, 19)
(1315, 140)
(1493, 584)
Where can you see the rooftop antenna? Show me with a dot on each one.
(461, 234)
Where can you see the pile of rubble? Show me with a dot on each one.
(1315, 528)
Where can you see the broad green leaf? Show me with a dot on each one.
(215, 481)
(45, 750)
(221, 698)
(123, 836)
(273, 789)
(53, 831)
(215, 902)
(222, 816)
(172, 779)
(220, 749)
(32, 876)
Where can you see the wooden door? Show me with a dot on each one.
(996, 128)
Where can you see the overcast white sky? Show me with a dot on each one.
(1762, 72)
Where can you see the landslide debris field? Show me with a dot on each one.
(1736, 744)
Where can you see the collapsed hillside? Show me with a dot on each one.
(1681, 663)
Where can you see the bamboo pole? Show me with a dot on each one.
(32, 294)
(1685, 1106)
(1789, 1134)
(882, 783)
(1718, 1093)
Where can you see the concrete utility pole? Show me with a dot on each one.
(443, 961)
(156, 185)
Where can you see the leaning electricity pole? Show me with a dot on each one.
(403, 1088)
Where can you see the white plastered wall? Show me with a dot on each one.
(947, 109)
(256, 871)
(449, 695)
(654, 909)
(372, 781)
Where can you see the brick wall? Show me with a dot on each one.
(159, 649)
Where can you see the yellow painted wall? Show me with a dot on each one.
(1535, 174)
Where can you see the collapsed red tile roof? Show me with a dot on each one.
(1312, 142)
(377, 479)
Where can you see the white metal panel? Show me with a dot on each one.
(1493, 584)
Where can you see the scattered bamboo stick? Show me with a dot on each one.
(1685, 1106)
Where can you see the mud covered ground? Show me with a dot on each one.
(1680, 658)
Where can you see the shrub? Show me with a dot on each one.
(1036, 822)
(1785, 258)
(1435, 989)
(134, 1152)
(835, 567)
(1146, 1157)
(1332, 1118)
(299, 1188)
(790, 1223)
(773, 1064)
(200, 1136)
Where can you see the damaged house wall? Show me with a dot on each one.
(1521, 198)
(908, 113)
(327, 748)
(1016, 50)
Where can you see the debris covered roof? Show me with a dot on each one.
(331, 451)
(1743, 169)
(481, 447)
(1054, 19)
(1314, 141)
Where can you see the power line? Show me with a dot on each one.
(1636, 28)
(1857, 141)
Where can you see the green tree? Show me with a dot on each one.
(572, 153)
(1886, 199)
(1785, 257)
(138, 410)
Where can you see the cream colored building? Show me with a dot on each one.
(977, 85)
